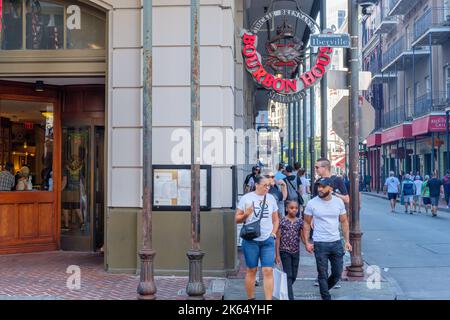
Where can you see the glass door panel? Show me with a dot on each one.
(76, 186)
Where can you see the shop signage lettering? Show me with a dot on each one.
(73, 17)
(437, 123)
(280, 88)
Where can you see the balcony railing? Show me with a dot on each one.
(435, 101)
(384, 23)
(394, 51)
(374, 67)
(433, 17)
(431, 101)
(397, 116)
(401, 7)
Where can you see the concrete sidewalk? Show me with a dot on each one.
(304, 288)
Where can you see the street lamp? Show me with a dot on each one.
(282, 147)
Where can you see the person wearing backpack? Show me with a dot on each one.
(408, 192)
(292, 186)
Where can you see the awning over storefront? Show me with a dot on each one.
(396, 133)
(430, 123)
(374, 140)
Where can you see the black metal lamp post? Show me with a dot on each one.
(195, 287)
(357, 263)
(147, 289)
(282, 145)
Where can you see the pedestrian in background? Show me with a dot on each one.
(293, 185)
(446, 184)
(367, 181)
(249, 183)
(288, 244)
(436, 189)
(408, 192)
(323, 169)
(278, 190)
(305, 186)
(426, 194)
(418, 195)
(392, 188)
(327, 211)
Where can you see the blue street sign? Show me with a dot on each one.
(335, 40)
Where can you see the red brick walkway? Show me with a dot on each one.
(43, 275)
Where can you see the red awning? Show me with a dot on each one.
(430, 123)
(374, 140)
(403, 131)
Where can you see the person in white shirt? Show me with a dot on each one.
(262, 206)
(418, 196)
(392, 186)
(327, 211)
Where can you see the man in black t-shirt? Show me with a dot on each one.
(323, 169)
(436, 189)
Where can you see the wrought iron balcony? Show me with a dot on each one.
(384, 22)
(435, 101)
(400, 54)
(397, 116)
(433, 27)
(401, 7)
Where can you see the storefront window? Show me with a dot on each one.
(45, 25)
(11, 21)
(87, 32)
(50, 25)
(26, 146)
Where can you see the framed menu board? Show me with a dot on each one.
(172, 188)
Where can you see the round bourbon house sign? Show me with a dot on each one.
(284, 54)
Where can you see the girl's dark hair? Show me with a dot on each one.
(288, 202)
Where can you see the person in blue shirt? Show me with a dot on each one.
(408, 192)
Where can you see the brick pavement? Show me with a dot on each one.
(43, 276)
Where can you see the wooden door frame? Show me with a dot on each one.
(51, 94)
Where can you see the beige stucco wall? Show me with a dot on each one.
(171, 112)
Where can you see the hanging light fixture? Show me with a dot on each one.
(39, 86)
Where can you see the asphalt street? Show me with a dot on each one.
(412, 251)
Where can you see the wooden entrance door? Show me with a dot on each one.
(29, 220)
